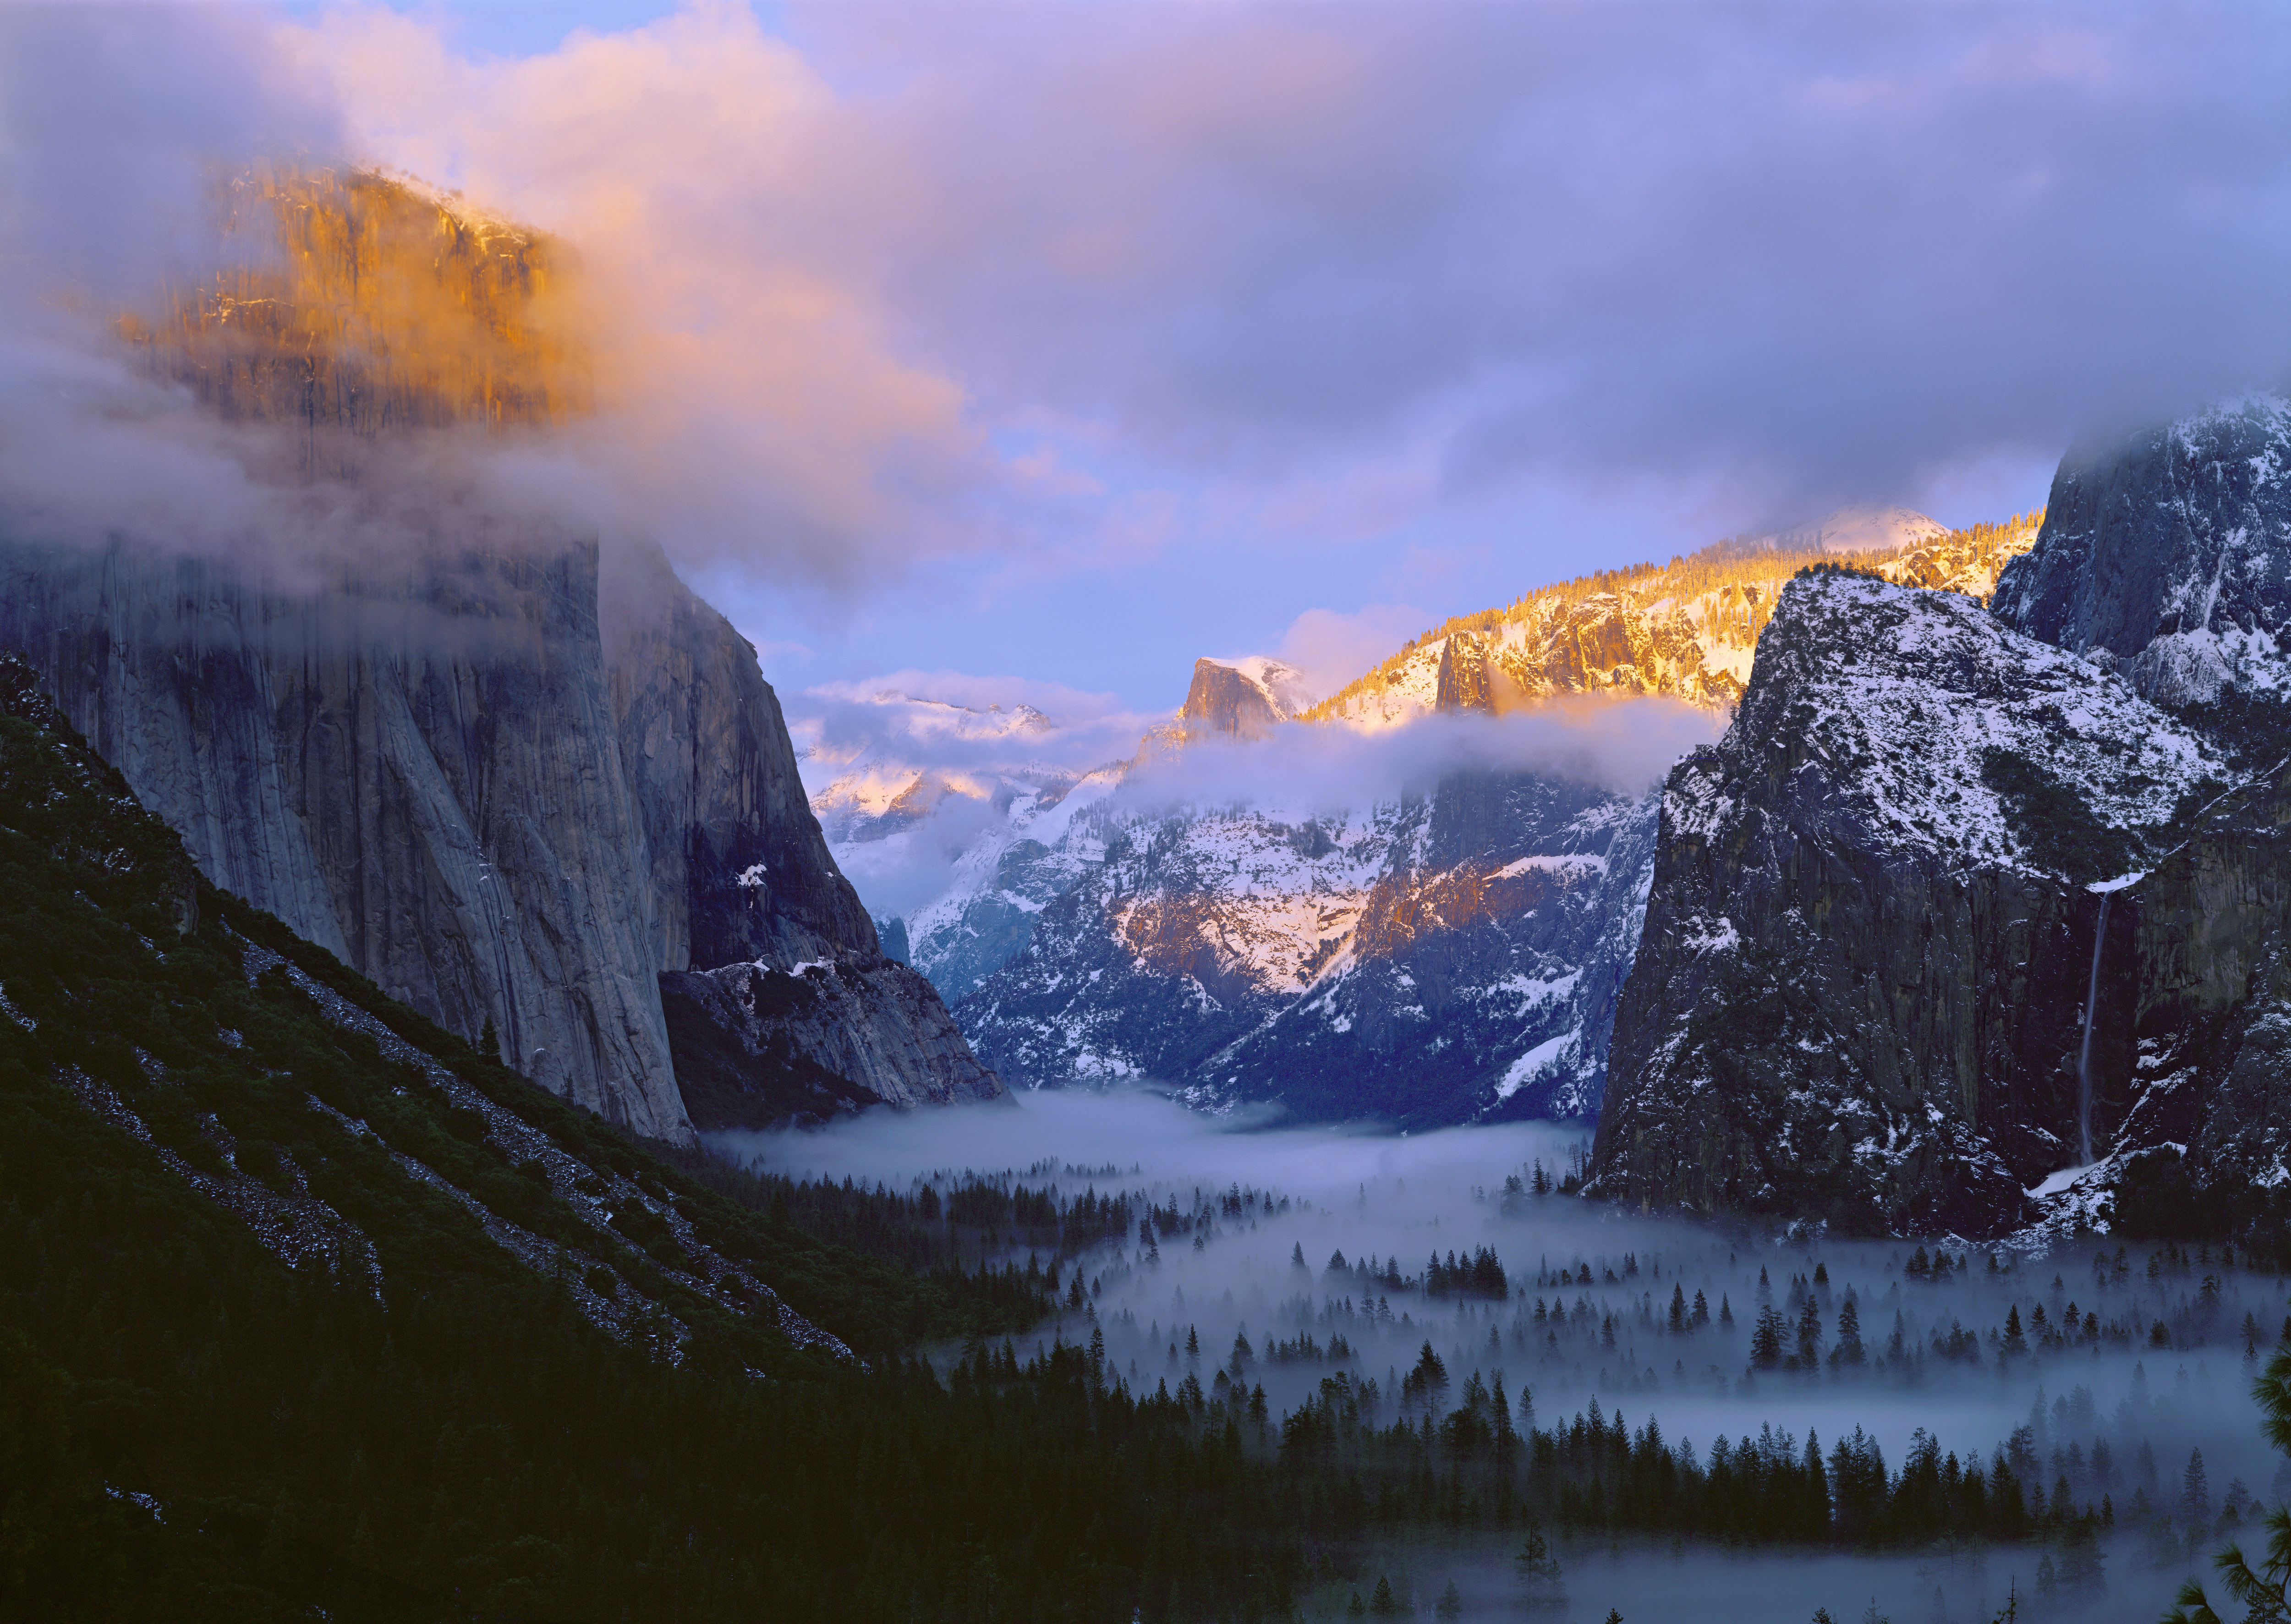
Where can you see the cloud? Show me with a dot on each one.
(1070, 289)
(959, 722)
(1333, 648)
(1623, 745)
(751, 410)
(866, 742)
(116, 122)
(1813, 258)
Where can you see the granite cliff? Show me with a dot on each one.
(513, 776)
(1859, 988)
(447, 778)
(1963, 902)
(2169, 552)
(1685, 629)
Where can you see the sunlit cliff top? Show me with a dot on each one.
(370, 303)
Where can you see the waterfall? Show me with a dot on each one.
(2084, 1054)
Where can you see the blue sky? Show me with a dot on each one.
(1067, 343)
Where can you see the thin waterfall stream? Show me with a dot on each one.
(2084, 1054)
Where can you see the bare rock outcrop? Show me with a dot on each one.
(757, 1046)
(2164, 551)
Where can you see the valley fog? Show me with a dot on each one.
(1317, 1265)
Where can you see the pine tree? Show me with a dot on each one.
(1766, 1339)
(1384, 1604)
(1535, 1562)
(2195, 1490)
(1848, 1350)
(1809, 1335)
(2265, 1591)
(1451, 1604)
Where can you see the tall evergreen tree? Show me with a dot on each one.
(2264, 1591)
(1766, 1339)
(1809, 1334)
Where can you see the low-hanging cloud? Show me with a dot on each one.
(2108, 1417)
(869, 740)
(1331, 648)
(961, 722)
(1622, 745)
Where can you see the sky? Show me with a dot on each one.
(1039, 347)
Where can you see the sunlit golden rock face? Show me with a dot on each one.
(368, 304)
(1688, 630)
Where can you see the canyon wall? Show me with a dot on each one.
(443, 774)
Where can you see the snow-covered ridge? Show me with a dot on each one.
(1688, 630)
(1380, 962)
(1899, 695)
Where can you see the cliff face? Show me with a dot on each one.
(1860, 988)
(757, 1046)
(370, 305)
(443, 776)
(416, 771)
(512, 782)
(2196, 1028)
(2166, 550)
(739, 868)
(1886, 974)
(1238, 701)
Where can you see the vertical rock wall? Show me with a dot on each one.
(415, 768)
(2169, 552)
(506, 813)
(1860, 992)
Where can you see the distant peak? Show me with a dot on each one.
(969, 722)
(1243, 698)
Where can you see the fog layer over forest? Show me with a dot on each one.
(1315, 1268)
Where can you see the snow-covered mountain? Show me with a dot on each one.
(1424, 959)
(1438, 941)
(1963, 901)
(1864, 960)
(951, 818)
(2169, 552)
(874, 795)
